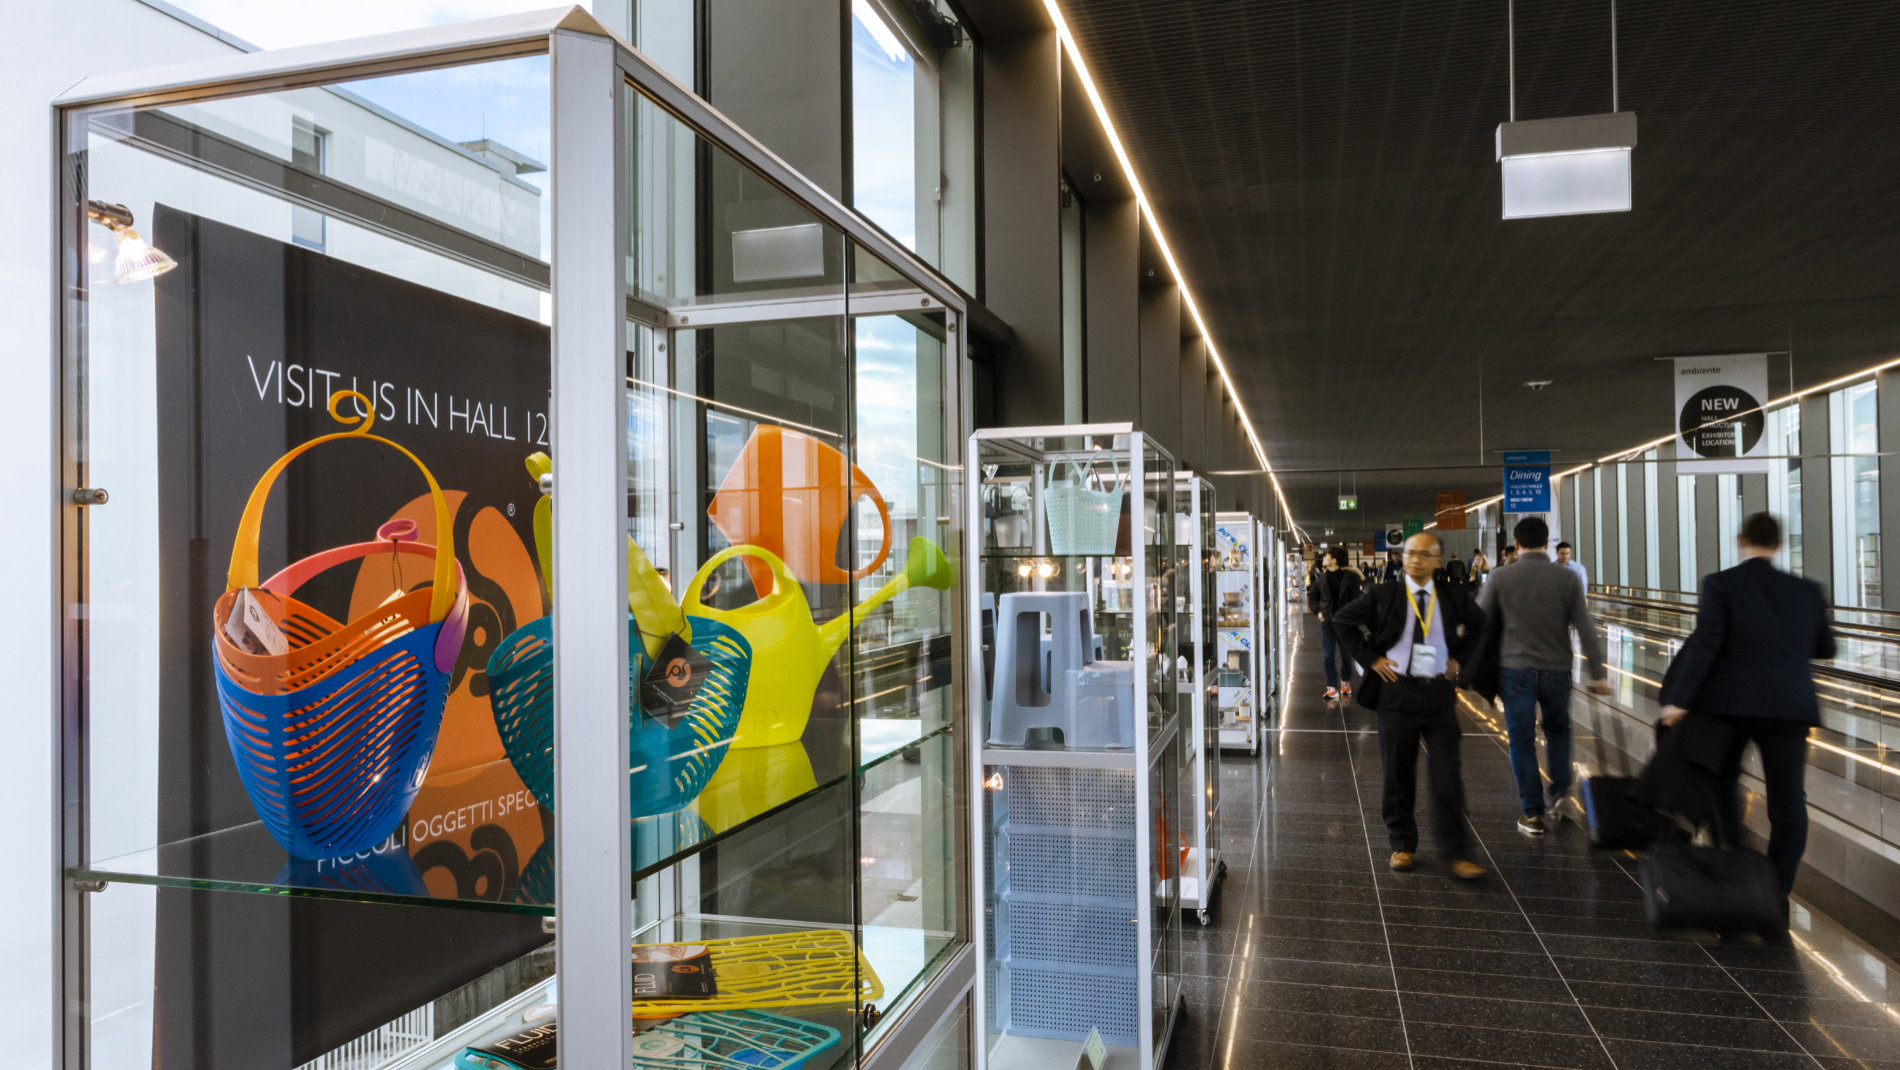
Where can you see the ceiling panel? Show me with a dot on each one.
(1326, 174)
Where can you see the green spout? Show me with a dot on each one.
(927, 567)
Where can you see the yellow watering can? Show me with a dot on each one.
(789, 652)
(654, 610)
(751, 781)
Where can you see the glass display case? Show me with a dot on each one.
(1079, 752)
(511, 575)
(1237, 631)
(1201, 866)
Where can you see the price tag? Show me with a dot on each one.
(1093, 1054)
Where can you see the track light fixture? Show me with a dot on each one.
(138, 259)
(1577, 165)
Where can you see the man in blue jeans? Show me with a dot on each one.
(1534, 604)
(1338, 585)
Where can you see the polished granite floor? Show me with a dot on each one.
(1318, 956)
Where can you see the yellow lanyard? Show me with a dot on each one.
(1424, 618)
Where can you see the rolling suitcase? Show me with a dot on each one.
(1723, 891)
(1616, 823)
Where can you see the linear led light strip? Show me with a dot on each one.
(1167, 253)
(1764, 407)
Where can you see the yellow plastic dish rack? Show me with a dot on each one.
(781, 970)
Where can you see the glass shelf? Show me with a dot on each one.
(479, 853)
(896, 960)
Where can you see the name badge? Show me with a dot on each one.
(1424, 660)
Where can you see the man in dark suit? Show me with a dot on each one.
(1747, 663)
(1410, 636)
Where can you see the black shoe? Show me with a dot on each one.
(1532, 824)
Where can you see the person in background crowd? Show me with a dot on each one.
(1480, 568)
(1338, 586)
(1566, 555)
(1457, 572)
(1506, 556)
(1756, 629)
(1313, 574)
(1392, 570)
(1534, 604)
(1410, 636)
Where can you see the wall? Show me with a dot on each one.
(53, 46)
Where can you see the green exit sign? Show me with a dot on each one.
(1348, 501)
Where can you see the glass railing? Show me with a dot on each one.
(1854, 770)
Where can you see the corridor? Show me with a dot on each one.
(1319, 956)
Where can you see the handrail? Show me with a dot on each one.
(1885, 684)
(1689, 607)
(1688, 598)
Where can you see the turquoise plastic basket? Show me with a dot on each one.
(667, 766)
(708, 1040)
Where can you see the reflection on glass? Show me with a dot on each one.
(1853, 428)
(912, 82)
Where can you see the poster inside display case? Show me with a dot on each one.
(1080, 760)
(325, 646)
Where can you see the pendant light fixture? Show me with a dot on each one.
(137, 259)
(1577, 165)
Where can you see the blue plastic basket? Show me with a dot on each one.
(332, 736)
(667, 766)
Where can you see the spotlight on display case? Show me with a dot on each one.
(1078, 760)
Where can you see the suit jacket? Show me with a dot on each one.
(1756, 629)
(1371, 624)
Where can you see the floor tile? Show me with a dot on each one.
(1495, 1013)
(1644, 1055)
(1733, 1003)
(1660, 974)
(1453, 982)
(1243, 1052)
(1703, 1029)
(1508, 963)
(1517, 1047)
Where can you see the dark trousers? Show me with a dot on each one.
(1523, 692)
(1413, 711)
(1783, 745)
(1338, 665)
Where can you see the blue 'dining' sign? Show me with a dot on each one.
(1527, 481)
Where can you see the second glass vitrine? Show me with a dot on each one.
(1078, 754)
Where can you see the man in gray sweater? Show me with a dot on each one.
(1535, 603)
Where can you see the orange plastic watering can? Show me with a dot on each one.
(792, 495)
(789, 651)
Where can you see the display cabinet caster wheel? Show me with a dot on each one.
(1201, 916)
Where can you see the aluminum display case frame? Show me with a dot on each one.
(592, 306)
(1204, 868)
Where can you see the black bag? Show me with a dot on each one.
(1723, 891)
(1615, 822)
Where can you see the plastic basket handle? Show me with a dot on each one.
(784, 584)
(866, 489)
(243, 572)
(1090, 470)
